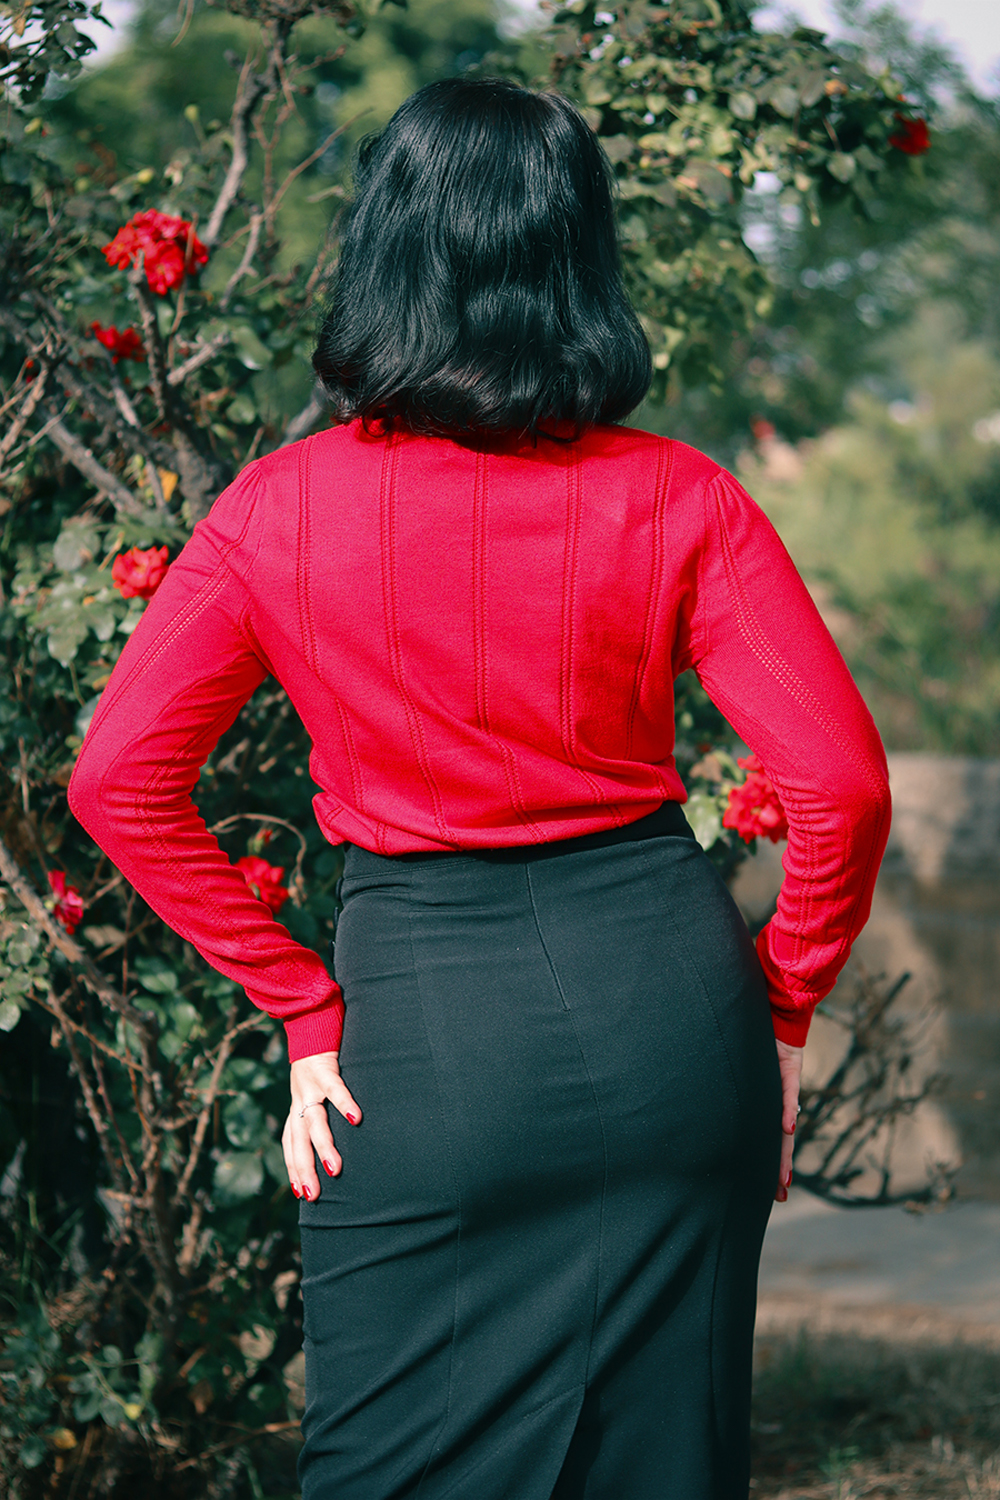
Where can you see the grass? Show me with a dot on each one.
(839, 1417)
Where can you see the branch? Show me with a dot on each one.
(206, 1111)
(272, 207)
(256, 224)
(155, 353)
(248, 92)
(97, 1116)
(83, 459)
(304, 421)
(201, 356)
(90, 974)
(35, 393)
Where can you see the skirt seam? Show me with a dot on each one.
(458, 1201)
(597, 1108)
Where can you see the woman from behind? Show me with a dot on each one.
(529, 1270)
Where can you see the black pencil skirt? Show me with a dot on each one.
(535, 1278)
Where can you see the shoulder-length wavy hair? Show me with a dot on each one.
(479, 286)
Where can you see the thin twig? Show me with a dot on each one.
(272, 207)
(250, 250)
(83, 459)
(90, 974)
(205, 1114)
(155, 352)
(304, 421)
(248, 92)
(201, 356)
(36, 391)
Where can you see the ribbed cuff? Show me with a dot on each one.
(317, 1030)
(791, 1030)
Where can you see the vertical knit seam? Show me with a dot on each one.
(302, 582)
(653, 591)
(456, 1183)
(574, 506)
(758, 643)
(479, 591)
(353, 764)
(390, 600)
(481, 655)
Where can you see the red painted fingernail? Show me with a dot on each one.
(790, 1130)
(781, 1195)
(788, 1179)
(295, 1190)
(331, 1170)
(306, 1194)
(351, 1119)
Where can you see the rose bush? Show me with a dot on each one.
(754, 809)
(124, 345)
(167, 245)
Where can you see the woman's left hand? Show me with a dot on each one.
(790, 1064)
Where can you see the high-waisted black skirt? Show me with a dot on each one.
(535, 1277)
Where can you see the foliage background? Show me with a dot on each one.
(824, 314)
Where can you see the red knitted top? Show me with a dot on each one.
(481, 641)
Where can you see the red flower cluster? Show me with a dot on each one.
(264, 880)
(913, 137)
(754, 810)
(136, 574)
(124, 345)
(69, 907)
(168, 245)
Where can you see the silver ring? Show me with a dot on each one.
(313, 1105)
(798, 1108)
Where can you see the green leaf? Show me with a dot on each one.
(742, 104)
(238, 1176)
(243, 1121)
(250, 350)
(784, 98)
(704, 813)
(10, 1014)
(32, 1452)
(841, 166)
(274, 1160)
(242, 410)
(78, 543)
(22, 945)
(156, 975)
(66, 639)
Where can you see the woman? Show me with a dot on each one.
(530, 1273)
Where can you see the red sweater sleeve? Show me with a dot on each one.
(187, 670)
(769, 664)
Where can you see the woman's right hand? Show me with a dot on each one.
(314, 1080)
(790, 1066)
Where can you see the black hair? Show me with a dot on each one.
(479, 287)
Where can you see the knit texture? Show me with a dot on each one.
(481, 641)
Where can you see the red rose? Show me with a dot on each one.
(69, 907)
(754, 810)
(913, 137)
(264, 880)
(169, 247)
(136, 574)
(124, 345)
(164, 266)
